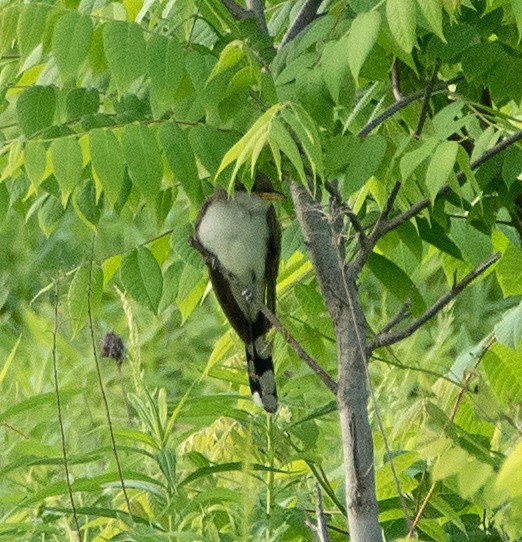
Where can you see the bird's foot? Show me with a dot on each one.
(248, 293)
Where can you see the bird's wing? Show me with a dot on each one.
(273, 253)
(228, 303)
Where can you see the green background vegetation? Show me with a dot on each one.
(116, 120)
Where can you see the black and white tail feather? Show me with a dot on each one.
(244, 236)
(261, 372)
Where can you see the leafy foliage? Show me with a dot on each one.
(116, 120)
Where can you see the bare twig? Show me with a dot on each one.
(211, 260)
(403, 313)
(395, 82)
(319, 530)
(347, 210)
(304, 18)
(386, 339)
(499, 147)
(426, 100)
(404, 102)
(60, 417)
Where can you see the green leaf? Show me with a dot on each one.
(31, 26)
(411, 160)
(86, 285)
(108, 163)
(307, 133)
(71, 41)
(67, 161)
(361, 40)
(35, 109)
(432, 11)
(9, 17)
(191, 287)
(396, 281)
(364, 164)
(243, 149)
(82, 101)
(143, 158)
(141, 276)
(284, 140)
(229, 57)
(9, 360)
(181, 159)
(516, 6)
(509, 480)
(502, 367)
(401, 20)
(125, 52)
(166, 65)
(509, 330)
(509, 271)
(440, 167)
(35, 161)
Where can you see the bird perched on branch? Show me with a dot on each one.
(242, 233)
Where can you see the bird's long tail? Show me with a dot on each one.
(261, 373)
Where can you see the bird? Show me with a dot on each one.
(243, 234)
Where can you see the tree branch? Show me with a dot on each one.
(426, 100)
(257, 7)
(387, 338)
(211, 260)
(404, 102)
(236, 10)
(304, 18)
(319, 530)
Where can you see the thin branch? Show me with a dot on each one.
(403, 313)
(307, 14)
(211, 260)
(499, 147)
(102, 389)
(426, 100)
(396, 82)
(319, 530)
(347, 210)
(236, 10)
(257, 7)
(386, 339)
(60, 417)
(404, 102)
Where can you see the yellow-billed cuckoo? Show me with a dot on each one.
(243, 234)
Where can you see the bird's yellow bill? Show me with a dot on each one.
(271, 196)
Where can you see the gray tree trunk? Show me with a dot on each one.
(339, 291)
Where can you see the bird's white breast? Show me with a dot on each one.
(236, 231)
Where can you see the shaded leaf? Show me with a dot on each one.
(396, 281)
(401, 20)
(143, 158)
(71, 41)
(35, 109)
(124, 46)
(108, 163)
(361, 40)
(142, 278)
(67, 161)
(181, 159)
